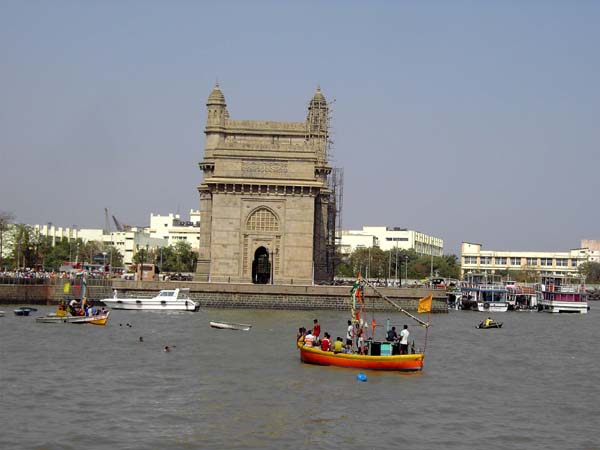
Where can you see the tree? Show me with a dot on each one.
(6, 219)
(591, 271)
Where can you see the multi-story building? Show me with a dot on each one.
(162, 232)
(174, 230)
(388, 238)
(128, 243)
(474, 260)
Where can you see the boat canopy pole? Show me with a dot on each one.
(394, 304)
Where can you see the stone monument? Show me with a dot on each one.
(267, 213)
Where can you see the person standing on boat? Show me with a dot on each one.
(360, 343)
(488, 322)
(316, 331)
(404, 340)
(350, 334)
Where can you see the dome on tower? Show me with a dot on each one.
(216, 97)
(318, 98)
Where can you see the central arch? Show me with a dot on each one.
(261, 266)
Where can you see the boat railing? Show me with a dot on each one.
(564, 289)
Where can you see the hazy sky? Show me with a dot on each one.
(473, 121)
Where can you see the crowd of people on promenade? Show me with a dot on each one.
(355, 342)
(32, 274)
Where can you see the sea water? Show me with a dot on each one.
(533, 384)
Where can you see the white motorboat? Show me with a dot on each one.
(231, 326)
(166, 300)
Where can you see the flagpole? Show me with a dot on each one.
(395, 305)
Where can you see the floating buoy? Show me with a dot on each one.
(361, 377)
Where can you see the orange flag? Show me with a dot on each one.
(425, 304)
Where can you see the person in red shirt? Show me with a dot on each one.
(316, 330)
(326, 342)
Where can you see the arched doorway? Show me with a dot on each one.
(261, 266)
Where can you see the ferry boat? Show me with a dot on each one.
(485, 298)
(166, 300)
(521, 297)
(555, 297)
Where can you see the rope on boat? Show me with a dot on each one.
(398, 307)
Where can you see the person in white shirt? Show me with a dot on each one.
(404, 340)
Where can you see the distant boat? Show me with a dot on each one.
(166, 300)
(99, 319)
(231, 326)
(1, 313)
(24, 311)
(485, 298)
(490, 325)
(556, 297)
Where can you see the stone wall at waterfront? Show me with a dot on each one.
(226, 295)
(252, 296)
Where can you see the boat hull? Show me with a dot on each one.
(100, 319)
(492, 306)
(401, 363)
(149, 304)
(564, 307)
(231, 326)
(493, 325)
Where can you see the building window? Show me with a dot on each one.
(562, 262)
(485, 259)
(515, 261)
(532, 261)
(470, 259)
(262, 219)
(500, 261)
(545, 261)
(573, 263)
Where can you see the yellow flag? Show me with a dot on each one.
(66, 287)
(425, 304)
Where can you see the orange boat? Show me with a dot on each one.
(402, 363)
(378, 359)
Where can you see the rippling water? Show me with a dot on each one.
(532, 384)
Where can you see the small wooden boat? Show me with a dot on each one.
(402, 363)
(1, 313)
(98, 319)
(231, 326)
(491, 325)
(23, 311)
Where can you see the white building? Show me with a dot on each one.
(162, 232)
(388, 238)
(128, 243)
(477, 261)
(174, 230)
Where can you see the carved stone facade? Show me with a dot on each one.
(264, 199)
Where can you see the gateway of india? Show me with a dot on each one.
(267, 199)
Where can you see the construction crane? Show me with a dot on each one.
(120, 227)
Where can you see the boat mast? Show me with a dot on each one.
(394, 304)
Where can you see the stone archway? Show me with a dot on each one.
(261, 266)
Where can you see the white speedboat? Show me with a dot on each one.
(166, 300)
